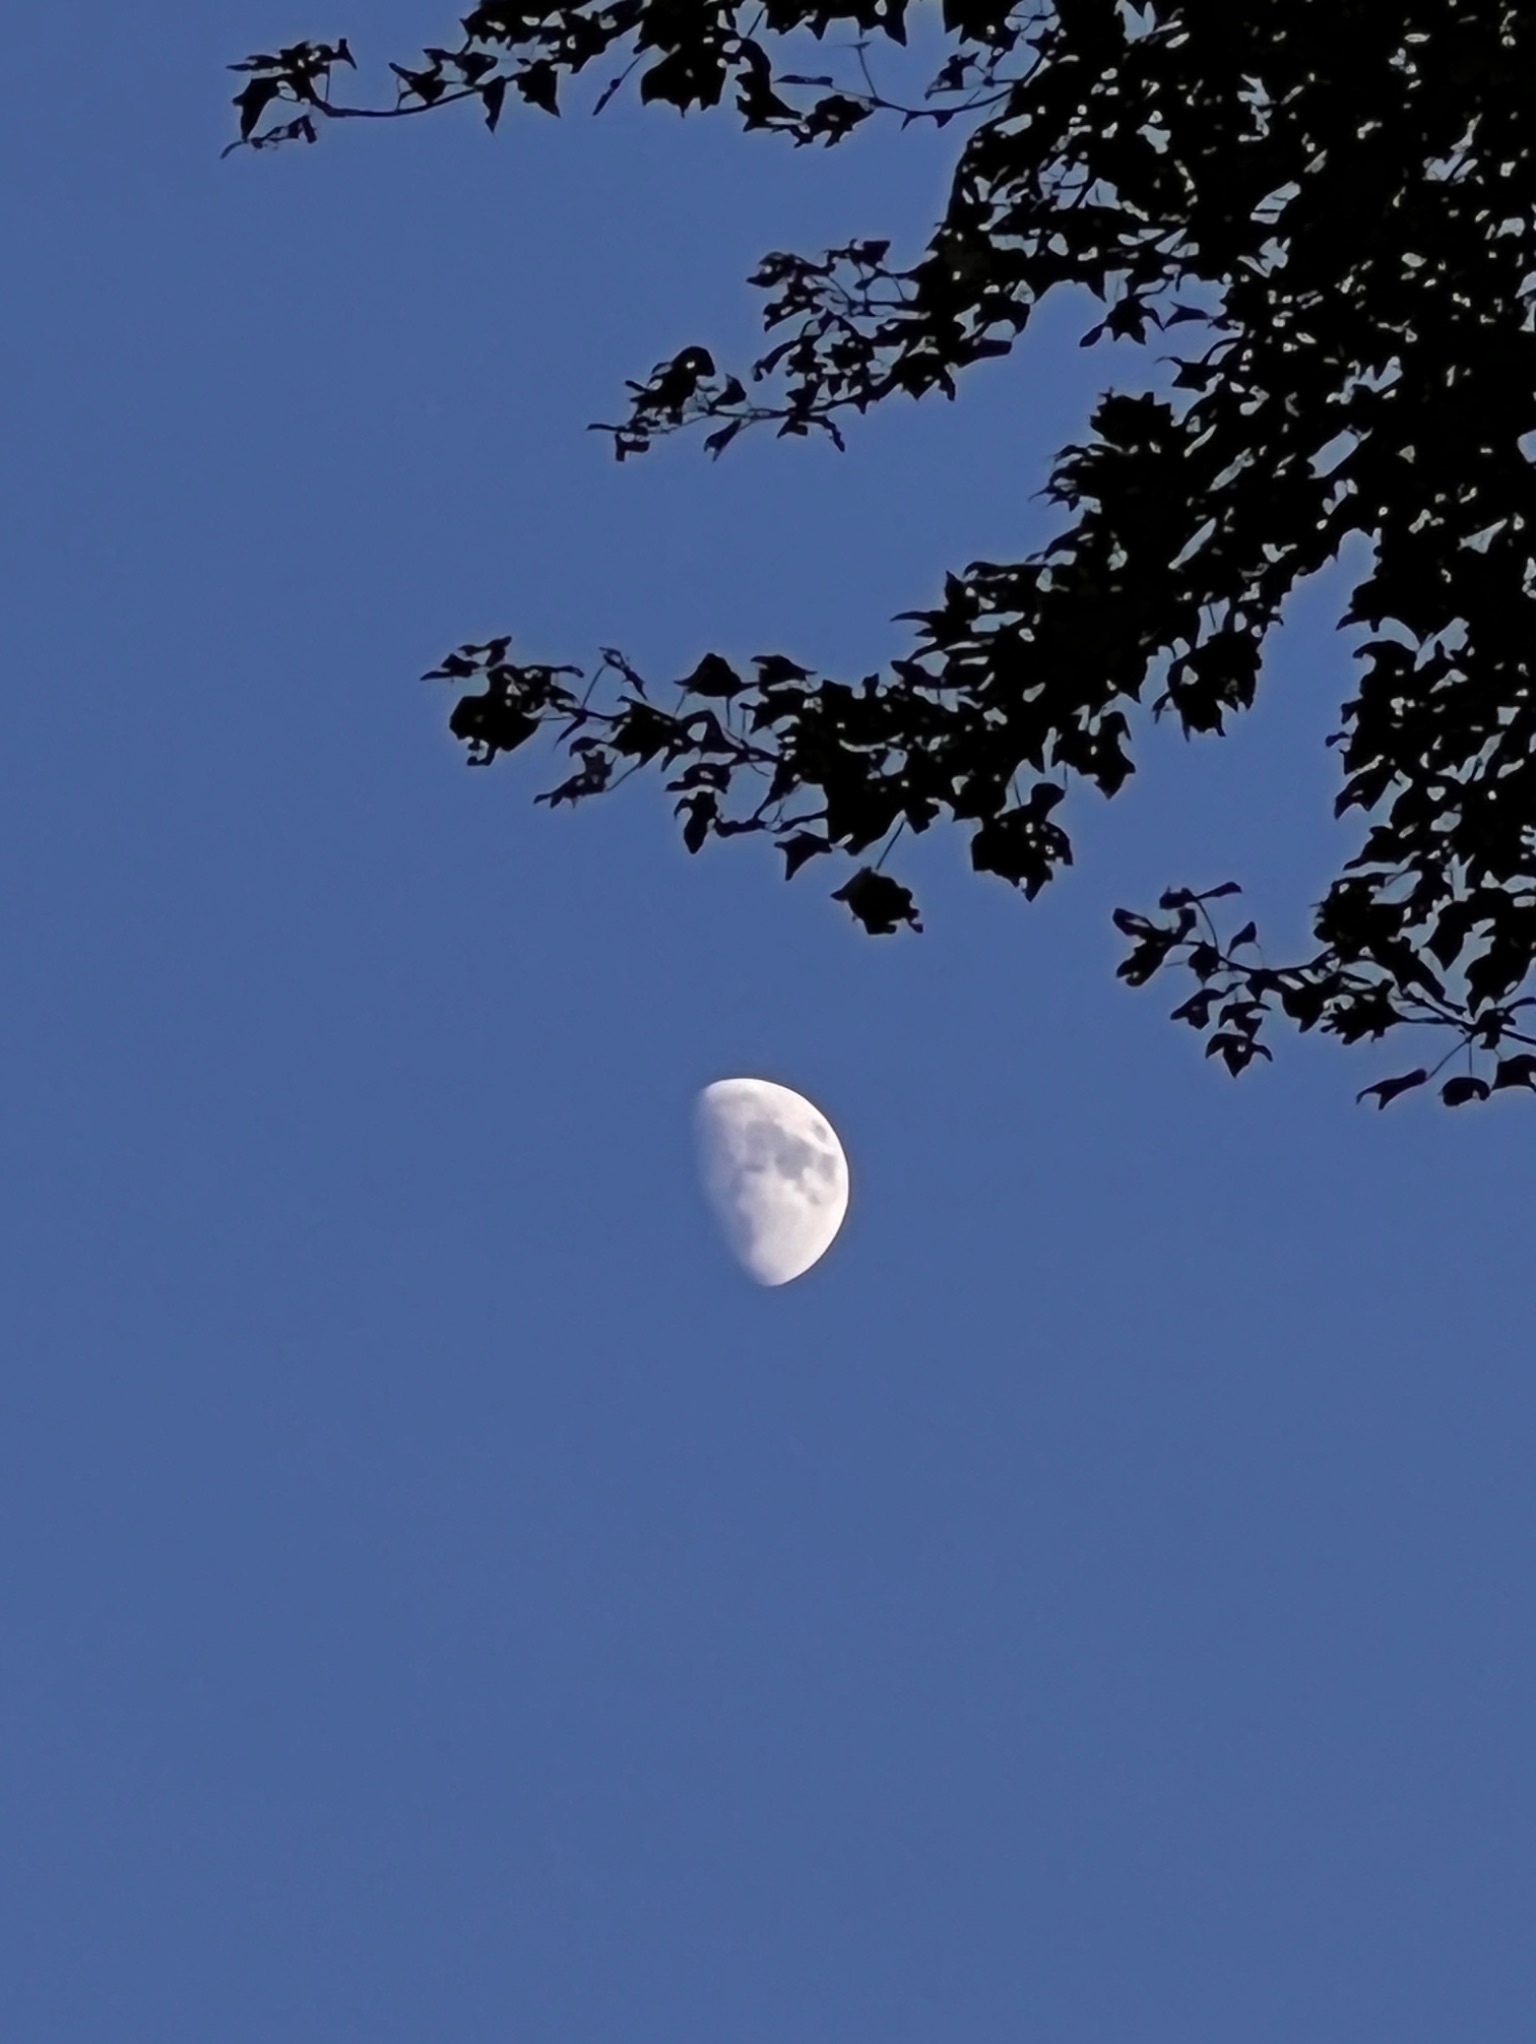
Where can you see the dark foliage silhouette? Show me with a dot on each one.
(1333, 204)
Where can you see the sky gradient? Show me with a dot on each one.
(440, 1597)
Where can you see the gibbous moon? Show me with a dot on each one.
(775, 1175)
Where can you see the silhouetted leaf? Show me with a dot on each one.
(539, 84)
(253, 101)
(701, 812)
(491, 724)
(1457, 1092)
(773, 670)
(878, 902)
(1196, 1011)
(493, 94)
(1387, 1090)
(714, 677)
(798, 849)
(1236, 1049)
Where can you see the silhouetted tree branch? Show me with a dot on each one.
(1337, 200)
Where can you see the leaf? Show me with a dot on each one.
(878, 902)
(1148, 958)
(539, 83)
(1237, 1051)
(489, 724)
(494, 95)
(714, 677)
(1303, 1002)
(427, 86)
(1020, 846)
(1457, 1092)
(702, 811)
(1515, 1071)
(1387, 1090)
(1196, 1011)
(253, 101)
(716, 443)
(684, 78)
(804, 845)
(1204, 961)
(454, 668)
(774, 669)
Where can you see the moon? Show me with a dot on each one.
(774, 1173)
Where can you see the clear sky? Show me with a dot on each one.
(440, 1597)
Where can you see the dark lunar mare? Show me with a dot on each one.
(1331, 203)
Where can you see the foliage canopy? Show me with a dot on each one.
(1335, 202)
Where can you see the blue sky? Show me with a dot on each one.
(439, 1597)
